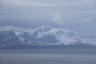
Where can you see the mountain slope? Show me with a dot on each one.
(41, 37)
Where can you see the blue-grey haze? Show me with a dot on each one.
(77, 15)
(50, 19)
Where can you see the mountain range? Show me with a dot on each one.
(42, 37)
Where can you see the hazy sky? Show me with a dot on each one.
(79, 15)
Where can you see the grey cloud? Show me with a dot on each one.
(77, 13)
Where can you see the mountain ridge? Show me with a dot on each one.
(41, 37)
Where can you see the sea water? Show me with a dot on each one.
(48, 56)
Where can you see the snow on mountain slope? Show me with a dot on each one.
(42, 35)
(63, 36)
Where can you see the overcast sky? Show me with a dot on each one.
(78, 15)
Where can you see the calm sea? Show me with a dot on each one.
(48, 56)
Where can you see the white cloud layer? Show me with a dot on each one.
(26, 3)
(49, 3)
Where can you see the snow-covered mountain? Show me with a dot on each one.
(15, 37)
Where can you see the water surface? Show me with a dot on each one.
(48, 56)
